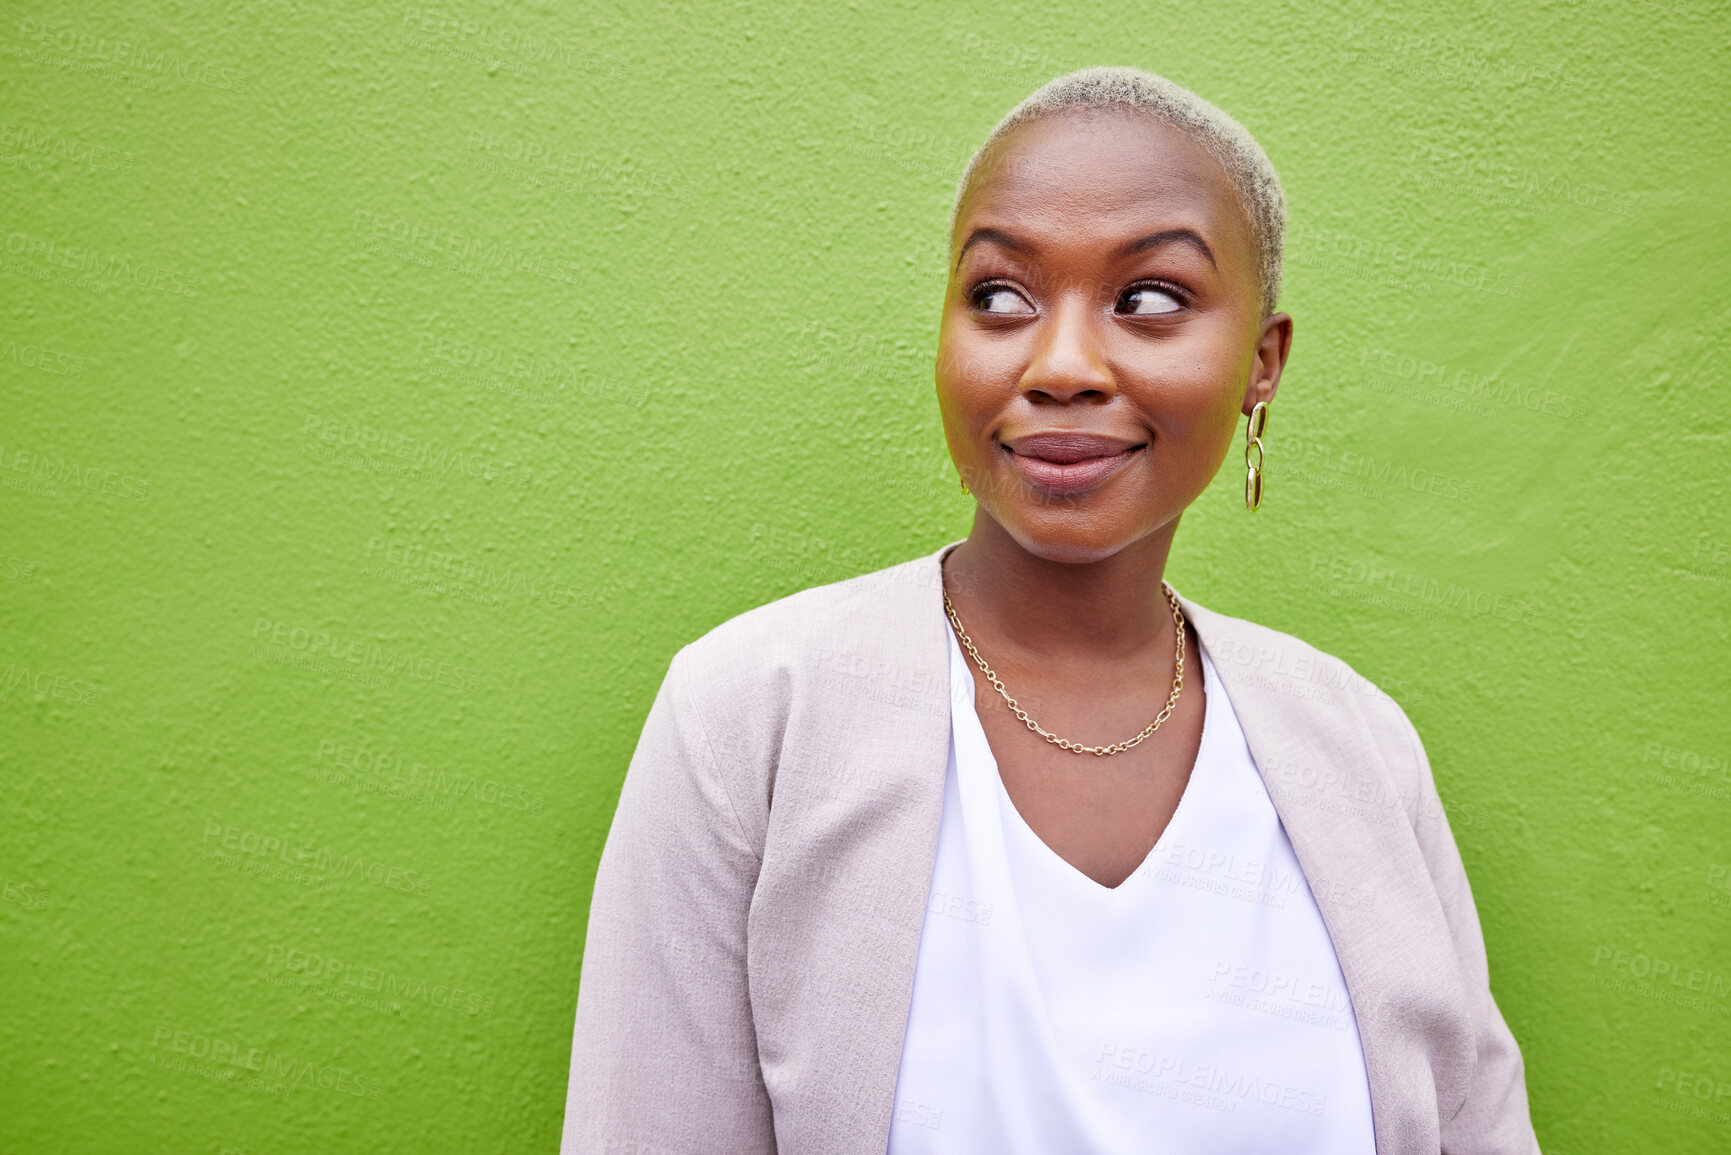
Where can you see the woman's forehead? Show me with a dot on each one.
(1113, 171)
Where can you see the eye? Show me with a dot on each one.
(1000, 299)
(1148, 300)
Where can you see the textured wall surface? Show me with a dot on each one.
(386, 393)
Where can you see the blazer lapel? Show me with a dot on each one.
(1303, 718)
(838, 913)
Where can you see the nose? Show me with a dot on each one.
(1067, 365)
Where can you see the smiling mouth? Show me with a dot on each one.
(1067, 464)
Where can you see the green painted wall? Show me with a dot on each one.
(504, 349)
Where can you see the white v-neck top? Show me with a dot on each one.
(1196, 1008)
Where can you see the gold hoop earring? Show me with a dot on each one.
(964, 482)
(1253, 467)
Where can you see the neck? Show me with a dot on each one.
(1113, 607)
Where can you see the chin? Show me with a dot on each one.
(1076, 536)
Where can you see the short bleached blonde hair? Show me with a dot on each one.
(1227, 141)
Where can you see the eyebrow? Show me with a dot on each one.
(1141, 244)
(1166, 236)
(997, 236)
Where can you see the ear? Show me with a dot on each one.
(1272, 347)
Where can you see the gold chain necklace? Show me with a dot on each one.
(1076, 747)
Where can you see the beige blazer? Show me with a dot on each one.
(758, 906)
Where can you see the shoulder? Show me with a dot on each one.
(818, 618)
(1315, 696)
(837, 667)
(866, 631)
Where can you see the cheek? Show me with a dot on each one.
(1197, 384)
(1193, 401)
(1201, 414)
(974, 382)
(966, 425)
(956, 412)
(1199, 430)
(967, 357)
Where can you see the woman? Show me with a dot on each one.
(1011, 848)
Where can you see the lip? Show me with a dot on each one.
(1066, 463)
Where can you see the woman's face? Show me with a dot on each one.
(1102, 331)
